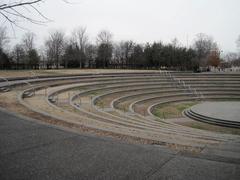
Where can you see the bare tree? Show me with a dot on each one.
(105, 49)
(175, 43)
(104, 37)
(31, 54)
(122, 52)
(203, 45)
(18, 55)
(214, 56)
(231, 56)
(128, 48)
(80, 38)
(91, 54)
(118, 54)
(28, 41)
(238, 43)
(55, 47)
(4, 39)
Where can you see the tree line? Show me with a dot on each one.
(77, 51)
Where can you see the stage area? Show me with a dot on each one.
(223, 113)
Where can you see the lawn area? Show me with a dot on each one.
(172, 110)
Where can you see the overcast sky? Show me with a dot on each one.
(145, 20)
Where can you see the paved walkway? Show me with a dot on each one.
(31, 150)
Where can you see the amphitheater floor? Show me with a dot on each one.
(33, 150)
(228, 111)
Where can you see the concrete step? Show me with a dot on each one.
(191, 114)
(4, 89)
(28, 94)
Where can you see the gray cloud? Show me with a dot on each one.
(145, 20)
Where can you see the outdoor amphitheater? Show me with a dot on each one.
(180, 110)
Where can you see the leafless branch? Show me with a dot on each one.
(17, 4)
(14, 11)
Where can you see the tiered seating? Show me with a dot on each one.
(123, 103)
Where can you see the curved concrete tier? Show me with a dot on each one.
(120, 103)
(224, 113)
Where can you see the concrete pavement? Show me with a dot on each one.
(32, 150)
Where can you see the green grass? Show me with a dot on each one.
(94, 93)
(197, 126)
(173, 110)
(182, 106)
(100, 103)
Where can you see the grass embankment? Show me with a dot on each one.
(173, 110)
